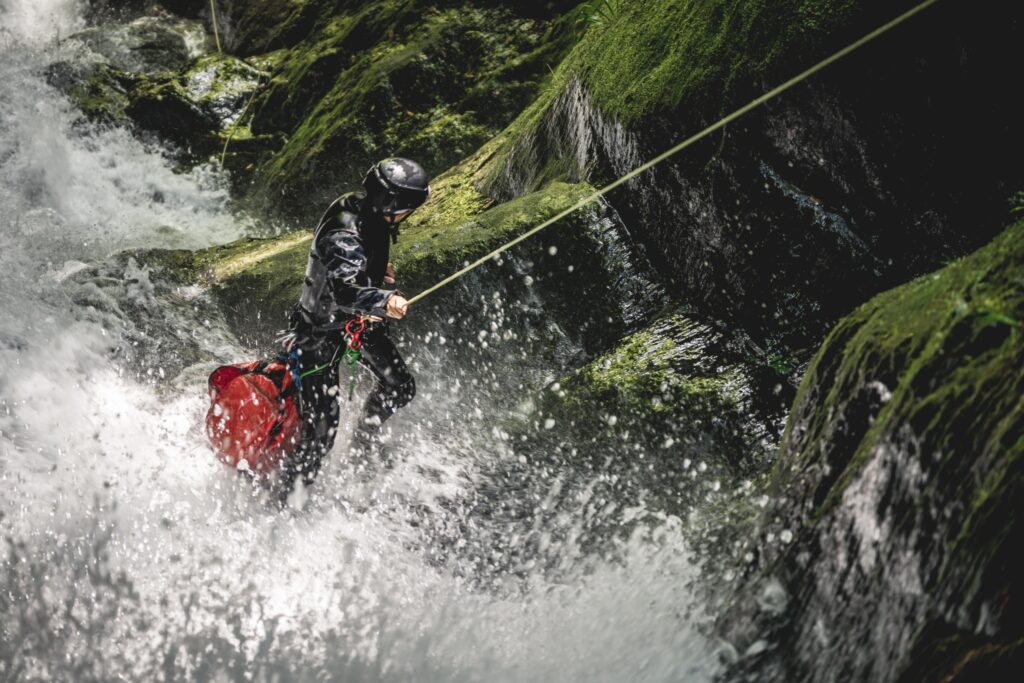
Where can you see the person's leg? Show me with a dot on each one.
(319, 411)
(395, 386)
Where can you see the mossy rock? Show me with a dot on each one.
(899, 480)
(669, 387)
(196, 109)
(393, 78)
(99, 91)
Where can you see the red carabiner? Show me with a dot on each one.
(354, 329)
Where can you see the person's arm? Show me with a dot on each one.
(345, 261)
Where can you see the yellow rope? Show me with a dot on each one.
(238, 121)
(775, 92)
(213, 19)
(234, 126)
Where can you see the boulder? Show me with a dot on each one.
(196, 107)
(890, 550)
(148, 46)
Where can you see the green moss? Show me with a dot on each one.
(688, 60)
(454, 198)
(657, 370)
(655, 57)
(103, 96)
(263, 25)
(947, 346)
(393, 78)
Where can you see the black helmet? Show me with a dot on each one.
(396, 186)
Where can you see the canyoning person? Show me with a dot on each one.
(347, 298)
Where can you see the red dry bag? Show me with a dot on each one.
(253, 421)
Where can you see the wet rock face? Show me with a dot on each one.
(145, 46)
(808, 208)
(893, 533)
(193, 108)
(104, 68)
(796, 213)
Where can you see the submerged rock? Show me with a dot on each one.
(12, 342)
(894, 530)
(101, 68)
(100, 91)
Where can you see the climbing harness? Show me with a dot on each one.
(354, 329)
(721, 123)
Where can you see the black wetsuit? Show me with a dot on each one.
(344, 278)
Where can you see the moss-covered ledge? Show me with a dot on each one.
(667, 386)
(898, 487)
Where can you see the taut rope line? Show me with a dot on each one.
(721, 123)
(213, 19)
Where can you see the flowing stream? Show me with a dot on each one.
(134, 554)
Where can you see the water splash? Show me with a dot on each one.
(40, 21)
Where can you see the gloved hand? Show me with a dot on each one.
(397, 306)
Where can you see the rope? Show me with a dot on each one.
(234, 127)
(237, 123)
(216, 31)
(721, 123)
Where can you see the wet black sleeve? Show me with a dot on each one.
(345, 261)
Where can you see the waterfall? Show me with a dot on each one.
(140, 555)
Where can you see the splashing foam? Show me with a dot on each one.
(39, 21)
